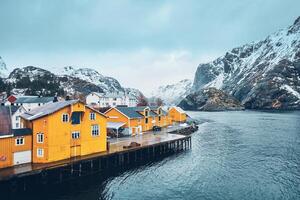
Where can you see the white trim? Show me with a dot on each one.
(37, 138)
(62, 117)
(38, 150)
(6, 136)
(75, 133)
(18, 138)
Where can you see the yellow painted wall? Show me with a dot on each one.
(58, 134)
(177, 116)
(25, 147)
(113, 113)
(6, 159)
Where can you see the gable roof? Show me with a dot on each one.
(34, 99)
(130, 112)
(180, 110)
(47, 109)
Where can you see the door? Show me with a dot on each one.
(75, 151)
(22, 157)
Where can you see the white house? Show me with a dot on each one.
(31, 102)
(16, 111)
(110, 100)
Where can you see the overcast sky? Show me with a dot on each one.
(143, 44)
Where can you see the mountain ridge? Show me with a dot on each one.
(262, 75)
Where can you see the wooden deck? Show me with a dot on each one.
(146, 140)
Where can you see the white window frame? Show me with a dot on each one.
(92, 116)
(18, 141)
(63, 117)
(75, 135)
(40, 138)
(95, 130)
(40, 152)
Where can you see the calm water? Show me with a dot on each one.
(235, 155)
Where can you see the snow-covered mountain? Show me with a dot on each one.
(70, 80)
(262, 75)
(108, 84)
(174, 93)
(3, 69)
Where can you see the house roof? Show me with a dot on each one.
(21, 132)
(130, 112)
(47, 109)
(33, 99)
(180, 110)
(108, 95)
(5, 121)
(115, 125)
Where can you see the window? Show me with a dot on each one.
(95, 130)
(159, 118)
(76, 118)
(92, 116)
(20, 141)
(159, 111)
(75, 135)
(65, 117)
(146, 113)
(17, 118)
(146, 120)
(17, 125)
(40, 138)
(40, 152)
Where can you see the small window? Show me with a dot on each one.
(40, 152)
(39, 104)
(17, 118)
(146, 113)
(159, 118)
(65, 117)
(146, 120)
(17, 125)
(75, 135)
(95, 130)
(40, 138)
(92, 116)
(20, 141)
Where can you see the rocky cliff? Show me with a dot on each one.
(262, 75)
(210, 99)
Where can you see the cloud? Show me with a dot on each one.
(142, 43)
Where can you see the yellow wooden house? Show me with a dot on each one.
(138, 119)
(65, 129)
(177, 114)
(15, 144)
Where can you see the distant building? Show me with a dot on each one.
(110, 100)
(136, 120)
(29, 102)
(16, 112)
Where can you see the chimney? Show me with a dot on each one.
(55, 99)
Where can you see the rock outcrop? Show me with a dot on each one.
(210, 99)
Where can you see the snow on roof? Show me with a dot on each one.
(47, 109)
(115, 125)
(180, 110)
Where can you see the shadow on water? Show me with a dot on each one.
(83, 187)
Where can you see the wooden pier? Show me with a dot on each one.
(152, 146)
